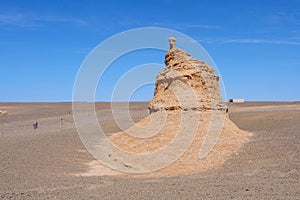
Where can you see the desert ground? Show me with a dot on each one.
(51, 162)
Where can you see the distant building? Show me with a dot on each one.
(237, 100)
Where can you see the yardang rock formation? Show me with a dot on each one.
(188, 129)
(182, 69)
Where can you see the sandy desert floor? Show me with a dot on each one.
(44, 164)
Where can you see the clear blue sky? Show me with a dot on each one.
(255, 43)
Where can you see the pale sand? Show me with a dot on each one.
(96, 168)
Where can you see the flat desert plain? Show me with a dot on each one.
(52, 163)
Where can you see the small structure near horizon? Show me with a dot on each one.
(3, 112)
(237, 100)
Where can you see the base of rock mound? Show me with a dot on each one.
(230, 140)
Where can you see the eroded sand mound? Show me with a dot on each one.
(3, 112)
(186, 111)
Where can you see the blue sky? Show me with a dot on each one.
(255, 44)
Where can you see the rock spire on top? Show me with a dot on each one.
(172, 41)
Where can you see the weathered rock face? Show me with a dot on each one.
(182, 73)
(187, 123)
